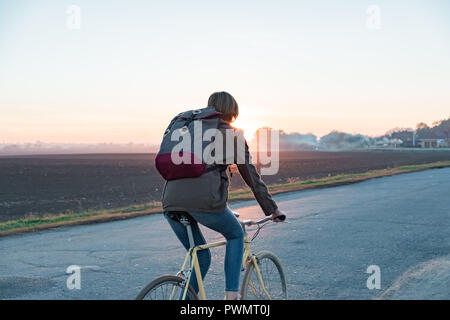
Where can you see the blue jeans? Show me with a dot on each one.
(224, 223)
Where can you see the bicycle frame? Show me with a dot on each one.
(194, 265)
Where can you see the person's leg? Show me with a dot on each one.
(204, 256)
(227, 224)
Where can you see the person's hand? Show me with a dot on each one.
(278, 216)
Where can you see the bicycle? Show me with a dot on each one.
(256, 283)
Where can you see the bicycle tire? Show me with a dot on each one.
(177, 281)
(260, 257)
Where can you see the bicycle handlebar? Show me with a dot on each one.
(253, 222)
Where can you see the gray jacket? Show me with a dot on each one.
(209, 192)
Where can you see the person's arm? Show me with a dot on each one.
(254, 181)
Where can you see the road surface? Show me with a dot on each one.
(400, 224)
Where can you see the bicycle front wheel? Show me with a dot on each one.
(272, 275)
(166, 288)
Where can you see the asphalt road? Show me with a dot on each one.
(400, 224)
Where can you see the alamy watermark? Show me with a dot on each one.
(73, 21)
(373, 21)
(74, 279)
(374, 280)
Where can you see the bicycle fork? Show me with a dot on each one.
(251, 258)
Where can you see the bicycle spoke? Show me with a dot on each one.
(272, 280)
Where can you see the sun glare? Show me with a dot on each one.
(247, 122)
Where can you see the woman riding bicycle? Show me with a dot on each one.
(204, 200)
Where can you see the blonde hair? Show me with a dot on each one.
(224, 103)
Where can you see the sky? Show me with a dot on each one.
(299, 66)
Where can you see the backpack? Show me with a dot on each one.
(192, 164)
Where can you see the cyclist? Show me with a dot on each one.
(204, 200)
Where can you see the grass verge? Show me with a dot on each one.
(34, 223)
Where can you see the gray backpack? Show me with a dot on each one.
(189, 125)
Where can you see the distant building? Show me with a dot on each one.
(444, 143)
(428, 143)
(434, 143)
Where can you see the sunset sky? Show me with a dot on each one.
(300, 66)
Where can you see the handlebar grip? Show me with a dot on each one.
(281, 217)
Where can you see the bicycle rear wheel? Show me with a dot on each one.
(166, 288)
(273, 277)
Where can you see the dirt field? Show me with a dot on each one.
(56, 184)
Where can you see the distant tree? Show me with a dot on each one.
(439, 130)
(403, 137)
(406, 136)
(297, 141)
(443, 128)
(421, 126)
(423, 131)
(337, 140)
(398, 129)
